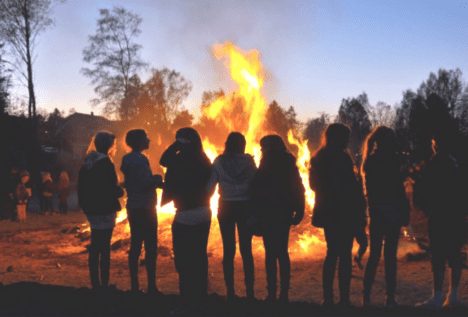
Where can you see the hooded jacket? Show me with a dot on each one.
(234, 173)
(98, 191)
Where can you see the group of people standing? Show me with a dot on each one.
(268, 199)
(19, 191)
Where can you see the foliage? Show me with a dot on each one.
(381, 114)
(314, 130)
(353, 113)
(280, 121)
(156, 102)
(21, 21)
(183, 119)
(4, 84)
(115, 57)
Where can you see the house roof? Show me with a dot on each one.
(84, 125)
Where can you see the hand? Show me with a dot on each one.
(298, 215)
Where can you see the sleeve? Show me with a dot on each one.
(168, 157)
(145, 177)
(214, 178)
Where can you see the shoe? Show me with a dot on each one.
(431, 304)
(452, 303)
(327, 303)
(358, 262)
(391, 303)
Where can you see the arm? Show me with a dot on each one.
(213, 180)
(169, 155)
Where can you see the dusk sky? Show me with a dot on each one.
(315, 53)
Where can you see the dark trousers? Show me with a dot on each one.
(379, 231)
(275, 231)
(143, 228)
(99, 256)
(48, 204)
(191, 260)
(230, 214)
(63, 204)
(339, 246)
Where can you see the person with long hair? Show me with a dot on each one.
(278, 193)
(339, 208)
(98, 197)
(234, 170)
(187, 174)
(388, 207)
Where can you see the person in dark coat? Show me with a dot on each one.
(278, 193)
(63, 190)
(98, 197)
(187, 175)
(388, 208)
(339, 207)
(443, 189)
(47, 193)
(234, 170)
(141, 184)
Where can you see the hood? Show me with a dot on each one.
(93, 158)
(238, 166)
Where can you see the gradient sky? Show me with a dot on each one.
(315, 53)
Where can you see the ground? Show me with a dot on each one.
(43, 268)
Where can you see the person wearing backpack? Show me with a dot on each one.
(444, 204)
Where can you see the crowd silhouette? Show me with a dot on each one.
(267, 201)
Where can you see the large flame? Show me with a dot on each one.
(246, 70)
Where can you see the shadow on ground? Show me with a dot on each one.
(27, 298)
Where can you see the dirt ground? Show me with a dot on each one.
(43, 268)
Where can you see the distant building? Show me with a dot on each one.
(76, 133)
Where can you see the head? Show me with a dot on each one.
(46, 176)
(104, 142)
(137, 140)
(24, 176)
(14, 170)
(64, 175)
(381, 137)
(336, 137)
(235, 144)
(272, 144)
(190, 140)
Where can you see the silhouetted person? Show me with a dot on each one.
(360, 233)
(388, 208)
(140, 184)
(13, 180)
(339, 207)
(47, 193)
(234, 171)
(187, 174)
(443, 203)
(278, 193)
(63, 190)
(22, 195)
(98, 197)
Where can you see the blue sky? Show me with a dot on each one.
(315, 52)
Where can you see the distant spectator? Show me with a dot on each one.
(22, 195)
(48, 193)
(63, 190)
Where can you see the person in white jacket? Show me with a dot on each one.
(234, 171)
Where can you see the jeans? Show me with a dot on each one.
(275, 230)
(99, 256)
(339, 246)
(230, 214)
(378, 232)
(191, 260)
(143, 227)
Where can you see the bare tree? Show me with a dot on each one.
(115, 57)
(21, 21)
(381, 114)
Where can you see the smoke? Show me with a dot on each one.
(280, 28)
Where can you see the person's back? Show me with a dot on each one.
(234, 172)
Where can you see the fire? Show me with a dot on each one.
(246, 70)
